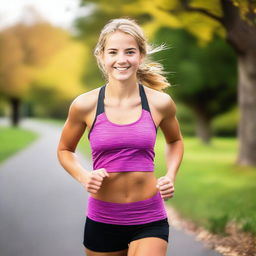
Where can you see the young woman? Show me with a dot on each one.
(126, 213)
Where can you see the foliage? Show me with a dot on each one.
(226, 124)
(63, 71)
(22, 49)
(43, 65)
(186, 119)
(169, 13)
(203, 78)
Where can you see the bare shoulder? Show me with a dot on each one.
(161, 101)
(84, 104)
(86, 100)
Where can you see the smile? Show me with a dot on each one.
(121, 69)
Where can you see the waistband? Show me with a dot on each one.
(134, 213)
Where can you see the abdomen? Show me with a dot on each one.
(125, 187)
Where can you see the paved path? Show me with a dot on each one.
(42, 208)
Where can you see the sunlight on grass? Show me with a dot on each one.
(210, 188)
(13, 140)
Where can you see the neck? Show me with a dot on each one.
(121, 90)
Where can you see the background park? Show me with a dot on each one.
(211, 65)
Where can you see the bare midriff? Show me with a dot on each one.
(126, 187)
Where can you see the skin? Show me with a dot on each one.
(123, 106)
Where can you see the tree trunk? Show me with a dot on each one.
(203, 127)
(242, 37)
(247, 103)
(15, 111)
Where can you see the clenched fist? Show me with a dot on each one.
(95, 179)
(166, 187)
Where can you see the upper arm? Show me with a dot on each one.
(169, 124)
(74, 127)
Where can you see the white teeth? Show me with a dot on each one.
(121, 68)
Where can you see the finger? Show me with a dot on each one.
(166, 197)
(164, 178)
(92, 186)
(160, 179)
(95, 182)
(93, 191)
(164, 181)
(167, 186)
(105, 172)
(170, 190)
(101, 174)
(97, 177)
(164, 193)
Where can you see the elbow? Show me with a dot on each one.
(62, 152)
(59, 153)
(175, 141)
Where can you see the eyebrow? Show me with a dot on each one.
(125, 49)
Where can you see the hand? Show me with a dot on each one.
(166, 187)
(95, 180)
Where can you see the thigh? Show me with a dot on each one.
(118, 253)
(150, 246)
(150, 239)
(105, 238)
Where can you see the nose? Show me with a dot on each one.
(121, 58)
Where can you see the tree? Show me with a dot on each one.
(24, 48)
(60, 81)
(233, 19)
(203, 78)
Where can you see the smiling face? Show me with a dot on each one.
(121, 57)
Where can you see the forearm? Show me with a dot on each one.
(173, 155)
(71, 164)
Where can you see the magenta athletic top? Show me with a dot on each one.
(123, 147)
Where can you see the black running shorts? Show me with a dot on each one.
(102, 237)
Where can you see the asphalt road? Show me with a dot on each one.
(43, 209)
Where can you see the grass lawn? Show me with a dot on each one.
(13, 140)
(209, 189)
(58, 122)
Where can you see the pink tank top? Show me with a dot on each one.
(123, 147)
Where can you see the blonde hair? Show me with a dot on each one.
(149, 73)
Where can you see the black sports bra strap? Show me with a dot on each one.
(143, 97)
(100, 104)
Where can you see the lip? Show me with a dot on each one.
(121, 70)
